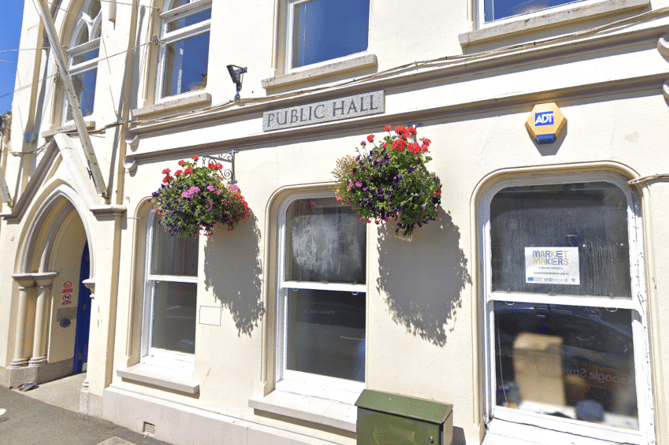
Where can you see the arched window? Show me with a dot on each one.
(83, 53)
(170, 295)
(184, 47)
(564, 310)
(321, 299)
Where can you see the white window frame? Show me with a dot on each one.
(296, 381)
(510, 422)
(94, 25)
(289, 50)
(480, 12)
(149, 354)
(167, 38)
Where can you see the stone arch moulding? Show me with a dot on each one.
(37, 241)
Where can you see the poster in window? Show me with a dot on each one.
(552, 265)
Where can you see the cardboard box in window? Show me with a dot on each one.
(537, 364)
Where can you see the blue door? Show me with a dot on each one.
(83, 316)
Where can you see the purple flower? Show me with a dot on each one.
(210, 188)
(350, 185)
(358, 184)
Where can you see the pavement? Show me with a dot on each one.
(48, 415)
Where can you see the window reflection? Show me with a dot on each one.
(566, 361)
(589, 219)
(327, 29)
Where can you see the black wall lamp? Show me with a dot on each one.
(236, 76)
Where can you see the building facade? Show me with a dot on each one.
(533, 303)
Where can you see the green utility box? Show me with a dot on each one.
(389, 419)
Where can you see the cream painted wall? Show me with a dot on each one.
(69, 245)
(422, 298)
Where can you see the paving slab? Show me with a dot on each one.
(28, 421)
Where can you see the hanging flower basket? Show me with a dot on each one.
(390, 181)
(196, 198)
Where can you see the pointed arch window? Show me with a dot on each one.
(83, 54)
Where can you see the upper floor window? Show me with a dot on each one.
(83, 56)
(501, 9)
(170, 295)
(184, 54)
(320, 30)
(321, 301)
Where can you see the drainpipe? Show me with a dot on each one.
(61, 60)
(4, 190)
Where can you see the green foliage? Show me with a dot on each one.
(391, 181)
(196, 198)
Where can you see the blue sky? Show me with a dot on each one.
(10, 34)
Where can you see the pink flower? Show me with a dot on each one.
(350, 185)
(210, 188)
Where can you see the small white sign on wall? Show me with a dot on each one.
(210, 315)
(552, 265)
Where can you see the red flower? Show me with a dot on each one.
(412, 131)
(181, 163)
(166, 171)
(387, 127)
(166, 179)
(189, 170)
(414, 148)
(400, 130)
(178, 172)
(399, 144)
(195, 158)
(370, 138)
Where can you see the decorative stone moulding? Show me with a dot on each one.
(545, 123)
(663, 49)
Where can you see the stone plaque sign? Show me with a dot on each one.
(325, 111)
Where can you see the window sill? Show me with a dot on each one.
(308, 408)
(166, 378)
(71, 128)
(520, 25)
(340, 66)
(186, 101)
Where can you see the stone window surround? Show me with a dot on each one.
(549, 18)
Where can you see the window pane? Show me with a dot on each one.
(539, 235)
(85, 57)
(326, 333)
(173, 326)
(82, 37)
(95, 9)
(84, 87)
(176, 3)
(499, 9)
(566, 361)
(327, 29)
(325, 242)
(186, 65)
(173, 255)
(188, 20)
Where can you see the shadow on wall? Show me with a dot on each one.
(232, 270)
(423, 279)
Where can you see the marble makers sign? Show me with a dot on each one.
(325, 111)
